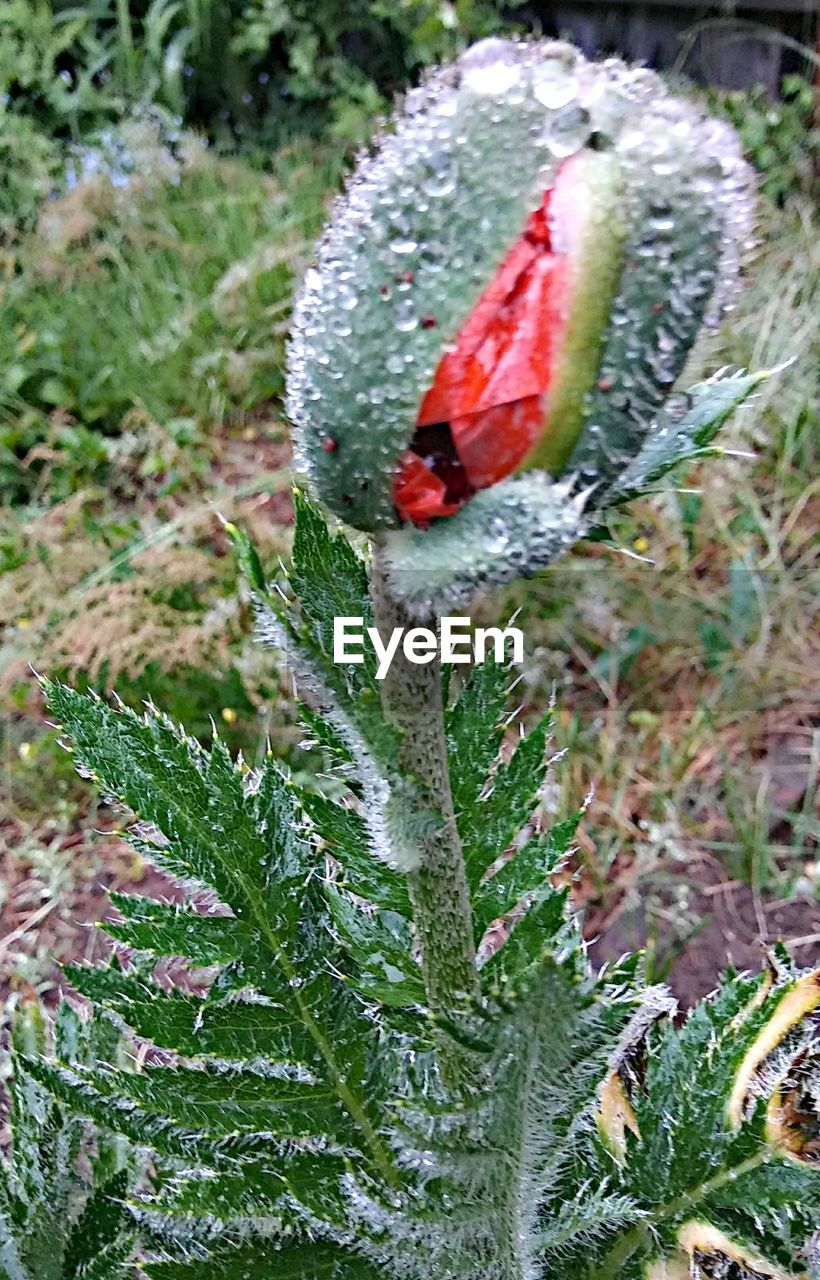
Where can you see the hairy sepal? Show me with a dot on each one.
(592, 196)
(523, 525)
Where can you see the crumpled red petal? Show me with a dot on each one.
(491, 444)
(420, 495)
(492, 389)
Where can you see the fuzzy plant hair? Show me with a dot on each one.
(397, 1060)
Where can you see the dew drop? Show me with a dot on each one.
(498, 536)
(403, 245)
(406, 317)
(490, 67)
(442, 177)
(554, 86)
(568, 132)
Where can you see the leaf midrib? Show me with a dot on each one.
(629, 1244)
(345, 1094)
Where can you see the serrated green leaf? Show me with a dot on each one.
(62, 1214)
(524, 873)
(692, 1068)
(259, 1188)
(80, 1088)
(325, 736)
(327, 574)
(549, 1047)
(594, 1214)
(197, 800)
(231, 1101)
(172, 929)
(247, 845)
(489, 826)
(774, 1207)
(329, 580)
(98, 1227)
(687, 1164)
(531, 940)
(381, 943)
(345, 833)
(110, 1262)
(299, 1260)
(233, 1029)
(474, 730)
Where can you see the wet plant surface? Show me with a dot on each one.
(685, 694)
(686, 700)
(308, 972)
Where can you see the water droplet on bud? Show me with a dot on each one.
(567, 132)
(403, 245)
(441, 179)
(490, 67)
(553, 85)
(406, 319)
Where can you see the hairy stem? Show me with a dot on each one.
(412, 700)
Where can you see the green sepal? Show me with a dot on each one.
(673, 264)
(523, 525)
(598, 188)
(398, 273)
(512, 530)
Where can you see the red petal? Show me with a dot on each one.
(461, 376)
(504, 350)
(419, 495)
(492, 443)
(492, 389)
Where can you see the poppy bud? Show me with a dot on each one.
(513, 278)
(511, 283)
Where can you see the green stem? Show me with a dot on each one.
(440, 895)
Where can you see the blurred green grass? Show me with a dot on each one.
(156, 293)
